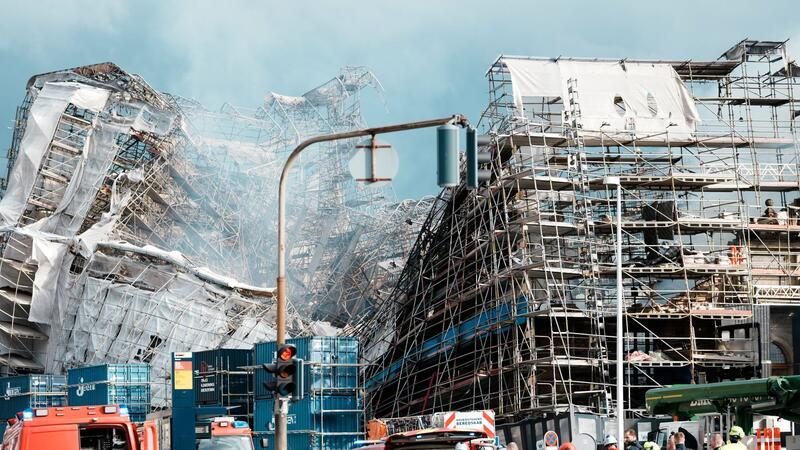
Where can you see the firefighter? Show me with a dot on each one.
(610, 443)
(736, 436)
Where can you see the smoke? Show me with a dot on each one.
(340, 233)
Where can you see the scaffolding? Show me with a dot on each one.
(137, 223)
(507, 301)
(346, 240)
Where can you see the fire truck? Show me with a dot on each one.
(106, 427)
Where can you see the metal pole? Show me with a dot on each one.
(282, 405)
(620, 322)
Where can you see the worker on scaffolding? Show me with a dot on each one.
(769, 212)
(736, 436)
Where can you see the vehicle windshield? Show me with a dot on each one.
(104, 438)
(226, 443)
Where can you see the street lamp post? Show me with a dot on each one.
(615, 181)
(282, 403)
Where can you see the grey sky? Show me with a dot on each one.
(430, 55)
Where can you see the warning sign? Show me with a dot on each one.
(183, 374)
(471, 420)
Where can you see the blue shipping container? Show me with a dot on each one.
(327, 361)
(219, 373)
(30, 391)
(111, 384)
(328, 414)
(310, 441)
(221, 380)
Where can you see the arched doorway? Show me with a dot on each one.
(779, 359)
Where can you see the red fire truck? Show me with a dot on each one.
(78, 428)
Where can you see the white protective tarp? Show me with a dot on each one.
(654, 98)
(118, 323)
(43, 118)
(92, 170)
(82, 189)
(48, 256)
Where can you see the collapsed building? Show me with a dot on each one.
(508, 299)
(137, 223)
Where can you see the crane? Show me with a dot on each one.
(773, 396)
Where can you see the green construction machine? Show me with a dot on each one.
(773, 396)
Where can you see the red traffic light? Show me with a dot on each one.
(287, 371)
(286, 352)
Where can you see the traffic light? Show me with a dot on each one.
(475, 159)
(288, 373)
(447, 156)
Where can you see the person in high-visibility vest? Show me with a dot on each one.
(736, 436)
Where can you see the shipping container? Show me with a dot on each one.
(30, 391)
(330, 364)
(221, 378)
(328, 414)
(111, 384)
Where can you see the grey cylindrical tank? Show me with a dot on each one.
(447, 173)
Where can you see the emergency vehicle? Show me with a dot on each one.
(224, 433)
(438, 438)
(106, 427)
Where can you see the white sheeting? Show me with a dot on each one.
(284, 99)
(42, 120)
(109, 319)
(48, 257)
(82, 188)
(121, 307)
(640, 85)
(97, 158)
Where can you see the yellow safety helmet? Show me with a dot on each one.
(651, 446)
(737, 431)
